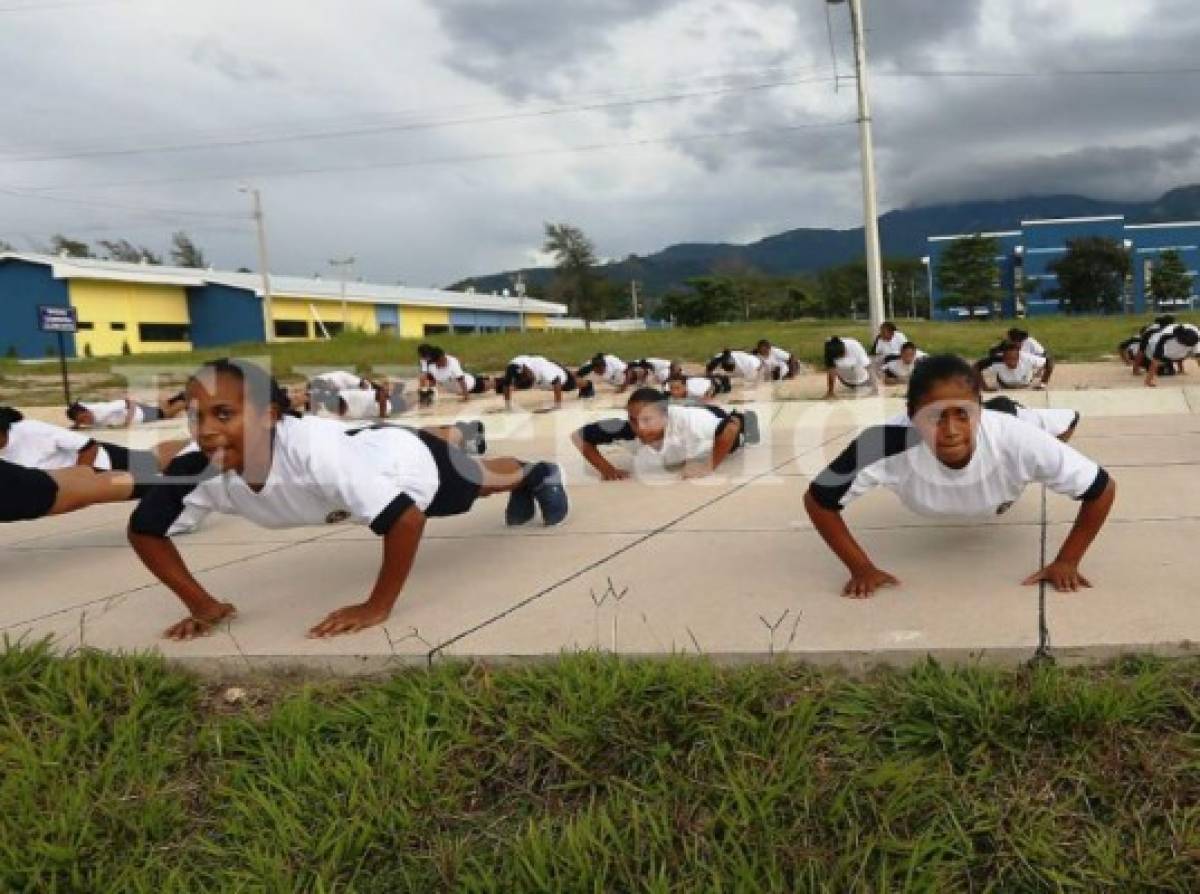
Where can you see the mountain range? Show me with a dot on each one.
(902, 232)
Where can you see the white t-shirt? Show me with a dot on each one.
(888, 347)
(1009, 456)
(546, 373)
(447, 376)
(39, 445)
(689, 434)
(320, 474)
(361, 404)
(748, 366)
(660, 370)
(697, 387)
(339, 380)
(1032, 346)
(113, 413)
(1164, 346)
(614, 370)
(898, 369)
(1028, 365)
(1053, 422)
(776, 361)
(852, 367)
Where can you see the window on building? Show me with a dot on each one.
(335, 329)
(291, 328)
(81, 326)
(436, 329)
(387, 328)
(117, 327)
(164, 332)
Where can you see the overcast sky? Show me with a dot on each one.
(431, 138)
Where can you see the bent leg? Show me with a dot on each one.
(81, 486)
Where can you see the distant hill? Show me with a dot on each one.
(902, 233)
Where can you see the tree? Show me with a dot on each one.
(1170, 280)
(576, 281)
(185, 252)
(124, 250)
(6, 246)
(72, 248)
(967, 274)
(1091, 275)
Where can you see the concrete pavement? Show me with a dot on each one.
(729, 566)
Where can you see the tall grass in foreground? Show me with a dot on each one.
(592, 774)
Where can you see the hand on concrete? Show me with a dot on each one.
(1063, 576)
(350, 619)
(696, 470)
(612, 473)
(863, 584)
(194, 626)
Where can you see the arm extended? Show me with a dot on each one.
(162, 558)
(865, 578)
(1063, 572)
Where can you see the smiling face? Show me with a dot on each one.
(648, 421)
(228, 425)
(947, 418)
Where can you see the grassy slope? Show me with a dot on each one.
(591, 774)
(1068, 339)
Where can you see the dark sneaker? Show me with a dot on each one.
(520, 508)
(750, 427)
(551, 495)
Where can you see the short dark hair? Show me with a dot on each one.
(907, 345)
(934, 369)
(436, 354)
(74, 410)
(261, 387)
(834, 348)
(1006, 346)
(1189, 337)
(424, 350)
(762, 343)
(646, 395)
(1165, 319)
(888, 324)
(1017, 335)
(8, 418)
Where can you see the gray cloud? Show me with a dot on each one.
(212, 54)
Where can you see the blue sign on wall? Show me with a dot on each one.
(52, 318)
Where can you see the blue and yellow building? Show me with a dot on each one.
(1024, 256)
(141, 308)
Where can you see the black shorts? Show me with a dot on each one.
(572, 384)
(27, 493)
(728, 419)
(150, 414)
(140, 462)
(480, 386)
(459, 477)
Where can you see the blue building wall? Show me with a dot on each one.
(222, 315)
(23, 286)
(1149, 242)
(1027, 254)
(481, 319)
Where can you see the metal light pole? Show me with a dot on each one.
(519, 288)
(867, 152)
(263, 263)
(342, 265)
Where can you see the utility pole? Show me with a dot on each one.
(519, 288)
(342, 265)
(263, 264)
(633, 296)
(867, 152)
(890, 278)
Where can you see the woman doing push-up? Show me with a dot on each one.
(951, 457)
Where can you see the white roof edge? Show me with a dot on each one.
(1054, 220)
(288, 286)
(970, 235)
(1163, 225)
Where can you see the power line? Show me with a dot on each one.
(178, 212)
(1043, 73)
(313, 136)
(66, 4)
(462, 159)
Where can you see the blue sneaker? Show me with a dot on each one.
(551, 495)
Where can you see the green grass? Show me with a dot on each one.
(592, 774)
(1071, 339)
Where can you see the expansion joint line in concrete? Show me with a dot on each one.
(1043, 653)
(435, 652)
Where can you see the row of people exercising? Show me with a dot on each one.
(948, 455)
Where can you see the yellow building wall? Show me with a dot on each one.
(358, 316)
(103, 303)
(413, 320)
(535, 321)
